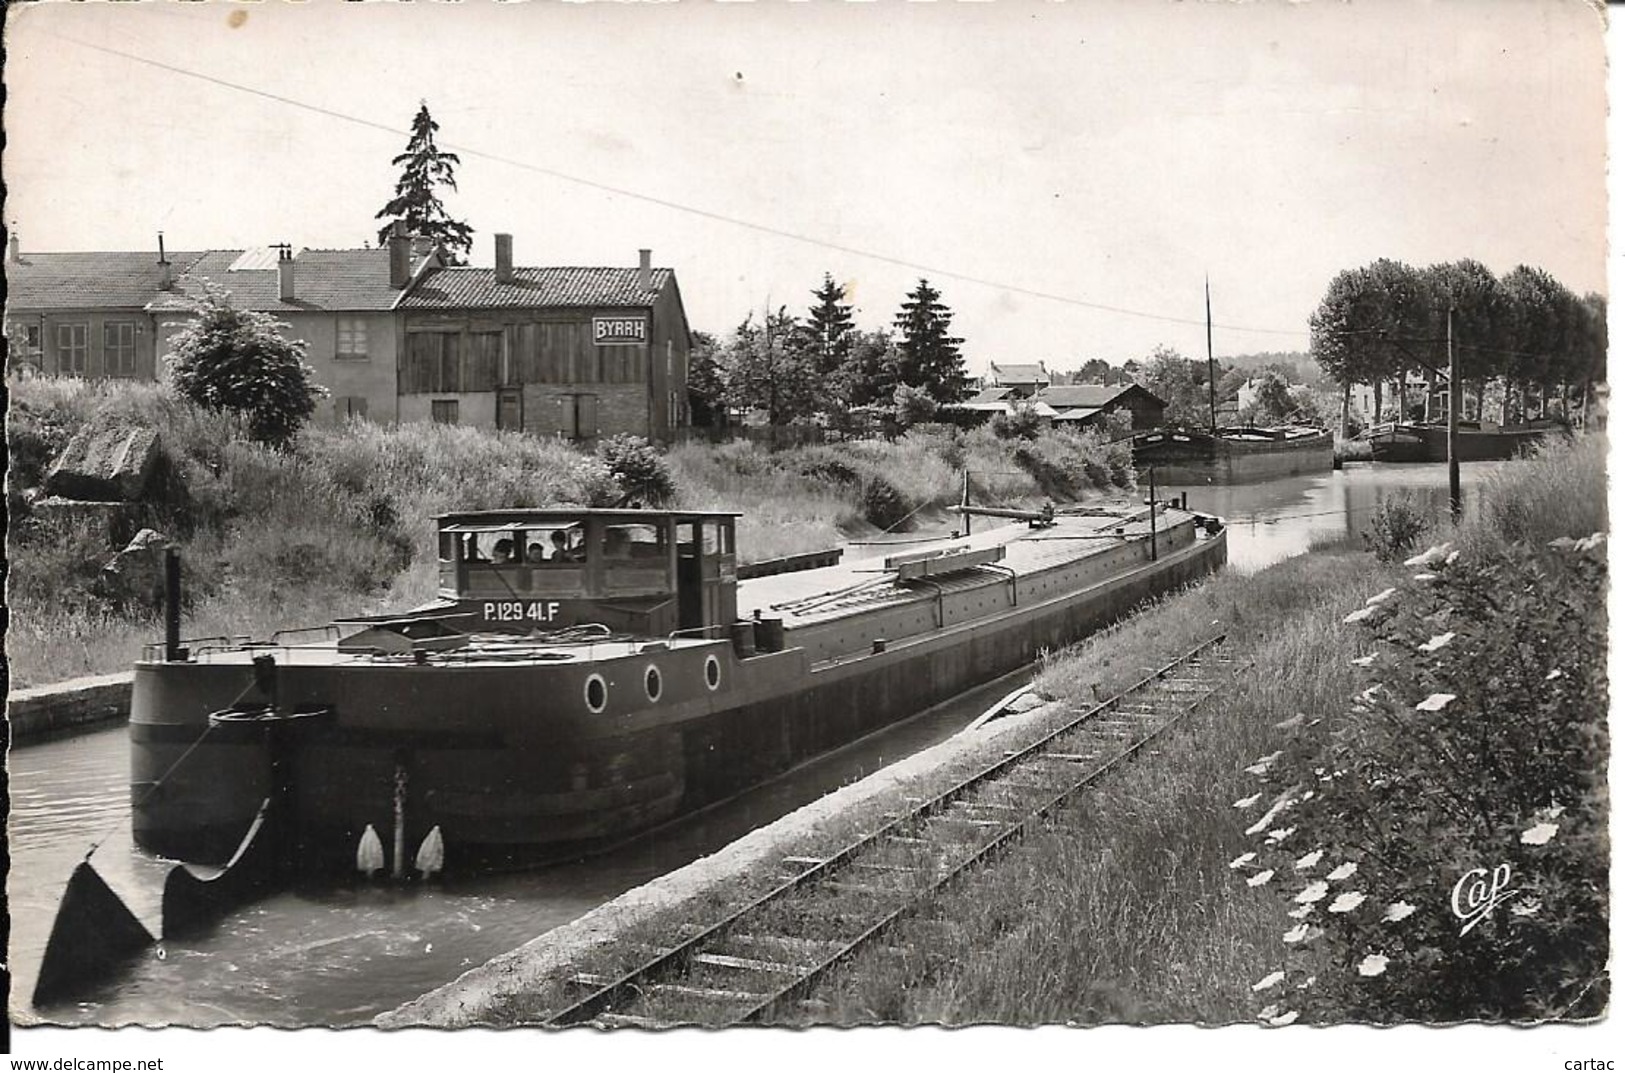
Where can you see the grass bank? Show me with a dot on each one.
(340, 524)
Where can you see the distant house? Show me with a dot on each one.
(85, 314)
(1024, 381)
(340, 302)
(393, 333)
(112, 315)
(1085, 405)
(989, 401)
(576, 353)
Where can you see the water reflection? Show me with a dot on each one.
(1276, 520)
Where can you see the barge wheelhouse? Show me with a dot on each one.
(586, 675)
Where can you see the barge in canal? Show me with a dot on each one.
(588, 674)
(1237, 455)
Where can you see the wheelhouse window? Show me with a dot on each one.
(548, 546)
(636, 542)
(118, 347)
(443, 411)
(73, 348)
(352, 340)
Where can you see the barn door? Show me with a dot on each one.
(586, 417)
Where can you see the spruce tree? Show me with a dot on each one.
(423, 167)
(829, 324)
(929, 357)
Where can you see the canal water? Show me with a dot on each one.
(341, 956)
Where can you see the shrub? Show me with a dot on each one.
(1475, 756)
(639, 468)
(1397, 525)
(883, 505)
(1022, 423)
(238, 361)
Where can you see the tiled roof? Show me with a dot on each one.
(119, 280)
(323, 280)
(533, 288)
(1018, 374)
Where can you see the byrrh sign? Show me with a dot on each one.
(619, 331)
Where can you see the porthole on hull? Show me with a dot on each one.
(651, 682)
(713, 672)
(596, 693)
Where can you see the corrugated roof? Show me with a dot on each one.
(987, 395)
(323, 280)
(477, 288)
(104, 280)
(1064, 396)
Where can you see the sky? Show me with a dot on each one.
(1067, 175)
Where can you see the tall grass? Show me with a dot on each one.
(1562, 491)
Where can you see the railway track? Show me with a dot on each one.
(773, 951)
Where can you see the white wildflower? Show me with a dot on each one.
(1288, 724)
(1243, 859)
(1435, 702)
(1284, 1019)
(1397, 911)
(1296, 935)
(1557, 672)
(1425, 576)
(1343, 871)
(1429, 557)
(1280, 834)
(1450, 560)
(1539, 835)
(1436, 642)
(1247, 802)
(1550, 812)
(1526, 908)
(1270, 981)
(1381, 598)
(1363, 661)
(1373, 965)
(1301, 912)
(1314, 892)
(1308, 983)
(1309, 860)
(1262, 764)
(1346, 903)
(1269, 1011)
(1261, 878)
(1587, 543)
(1359, 616)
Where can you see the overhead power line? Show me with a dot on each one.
(677, 206)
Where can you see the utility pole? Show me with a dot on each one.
(1212, 387)
(1151, 475)
(1453, 414)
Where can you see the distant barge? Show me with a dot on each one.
(1237, 455)
(612, 676)
(1476, 441)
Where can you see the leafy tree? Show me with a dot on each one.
(929, 357)
(868, 372)
(771, 366)
(829, 324)
(912, 406)
(1540, 324)
(238, 361)
(423, 167)
(1180, 382)
(1092, 371)
(705, 383)
(638, 468)
(1272, 402)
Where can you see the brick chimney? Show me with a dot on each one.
(14, 249)
(166, 278)
(400, 255)
(504, 258)
(284, 273)
(645, 273)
